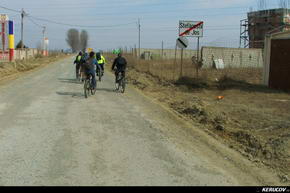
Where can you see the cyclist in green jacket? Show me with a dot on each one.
(78, 64)
(101, 61)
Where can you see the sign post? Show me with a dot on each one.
(182, 43)
(191, 29)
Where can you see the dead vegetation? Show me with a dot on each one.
(18, 66)
(230, 105)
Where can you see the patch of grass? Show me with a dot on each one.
(192, 82)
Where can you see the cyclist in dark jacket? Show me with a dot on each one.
(121, 64)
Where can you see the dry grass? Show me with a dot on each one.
(10, 68)
(172, 71)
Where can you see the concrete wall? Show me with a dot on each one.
(21, 54)
(232, 57)
(167, 53)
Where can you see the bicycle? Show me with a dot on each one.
(78, 75)
(88, 87)
(99, 73)
(121, 83)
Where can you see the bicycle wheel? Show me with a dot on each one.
(100, 75)
(100, 78)
(87, 88)
(123, 85)
(93, 91)
(118, 84)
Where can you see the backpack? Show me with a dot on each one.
(88, 64)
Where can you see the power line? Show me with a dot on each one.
(10, 9)
(35, 22)
(84, 26)
(66, 24)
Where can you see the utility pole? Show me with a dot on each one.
(162, 47)
(139, 27)
(43, 39)
(22, 17)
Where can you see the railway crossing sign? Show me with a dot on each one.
(191, 28)
(182, 42)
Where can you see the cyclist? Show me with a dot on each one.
(83, 61)
(78, 64)
(121, 64)
(90, 66)
(101, 60)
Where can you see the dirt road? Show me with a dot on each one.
(51, 135)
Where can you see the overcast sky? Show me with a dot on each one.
(116, 20)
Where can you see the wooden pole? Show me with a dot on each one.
(162, 48)
(174, 66)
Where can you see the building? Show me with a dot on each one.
(277, 61)
(265, 22)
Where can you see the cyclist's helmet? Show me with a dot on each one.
(98, 56)
(120, 54)
(80, 53)
(92, 54)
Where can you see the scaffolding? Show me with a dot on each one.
(244, 33)
(260, 23)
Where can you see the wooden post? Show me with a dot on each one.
(175, 59)
(162, 48)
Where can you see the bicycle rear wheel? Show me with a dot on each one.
(87, 88)
(93, 91)
(123, 85)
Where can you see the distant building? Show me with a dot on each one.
(263, 22)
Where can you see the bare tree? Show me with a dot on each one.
(84, 37)
(73, 39)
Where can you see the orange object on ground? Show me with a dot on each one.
(220, 97)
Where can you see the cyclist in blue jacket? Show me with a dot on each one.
(90, 67)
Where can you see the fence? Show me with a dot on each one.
(20, 54)
(242, 64)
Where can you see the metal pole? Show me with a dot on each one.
(43, 40)
(181, 63)
(175, 54)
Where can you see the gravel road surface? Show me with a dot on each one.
(51, 135)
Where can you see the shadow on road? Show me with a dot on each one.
(73, 94)
(106, 89)
(72, 81)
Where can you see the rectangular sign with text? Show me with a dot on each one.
(191, 28)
